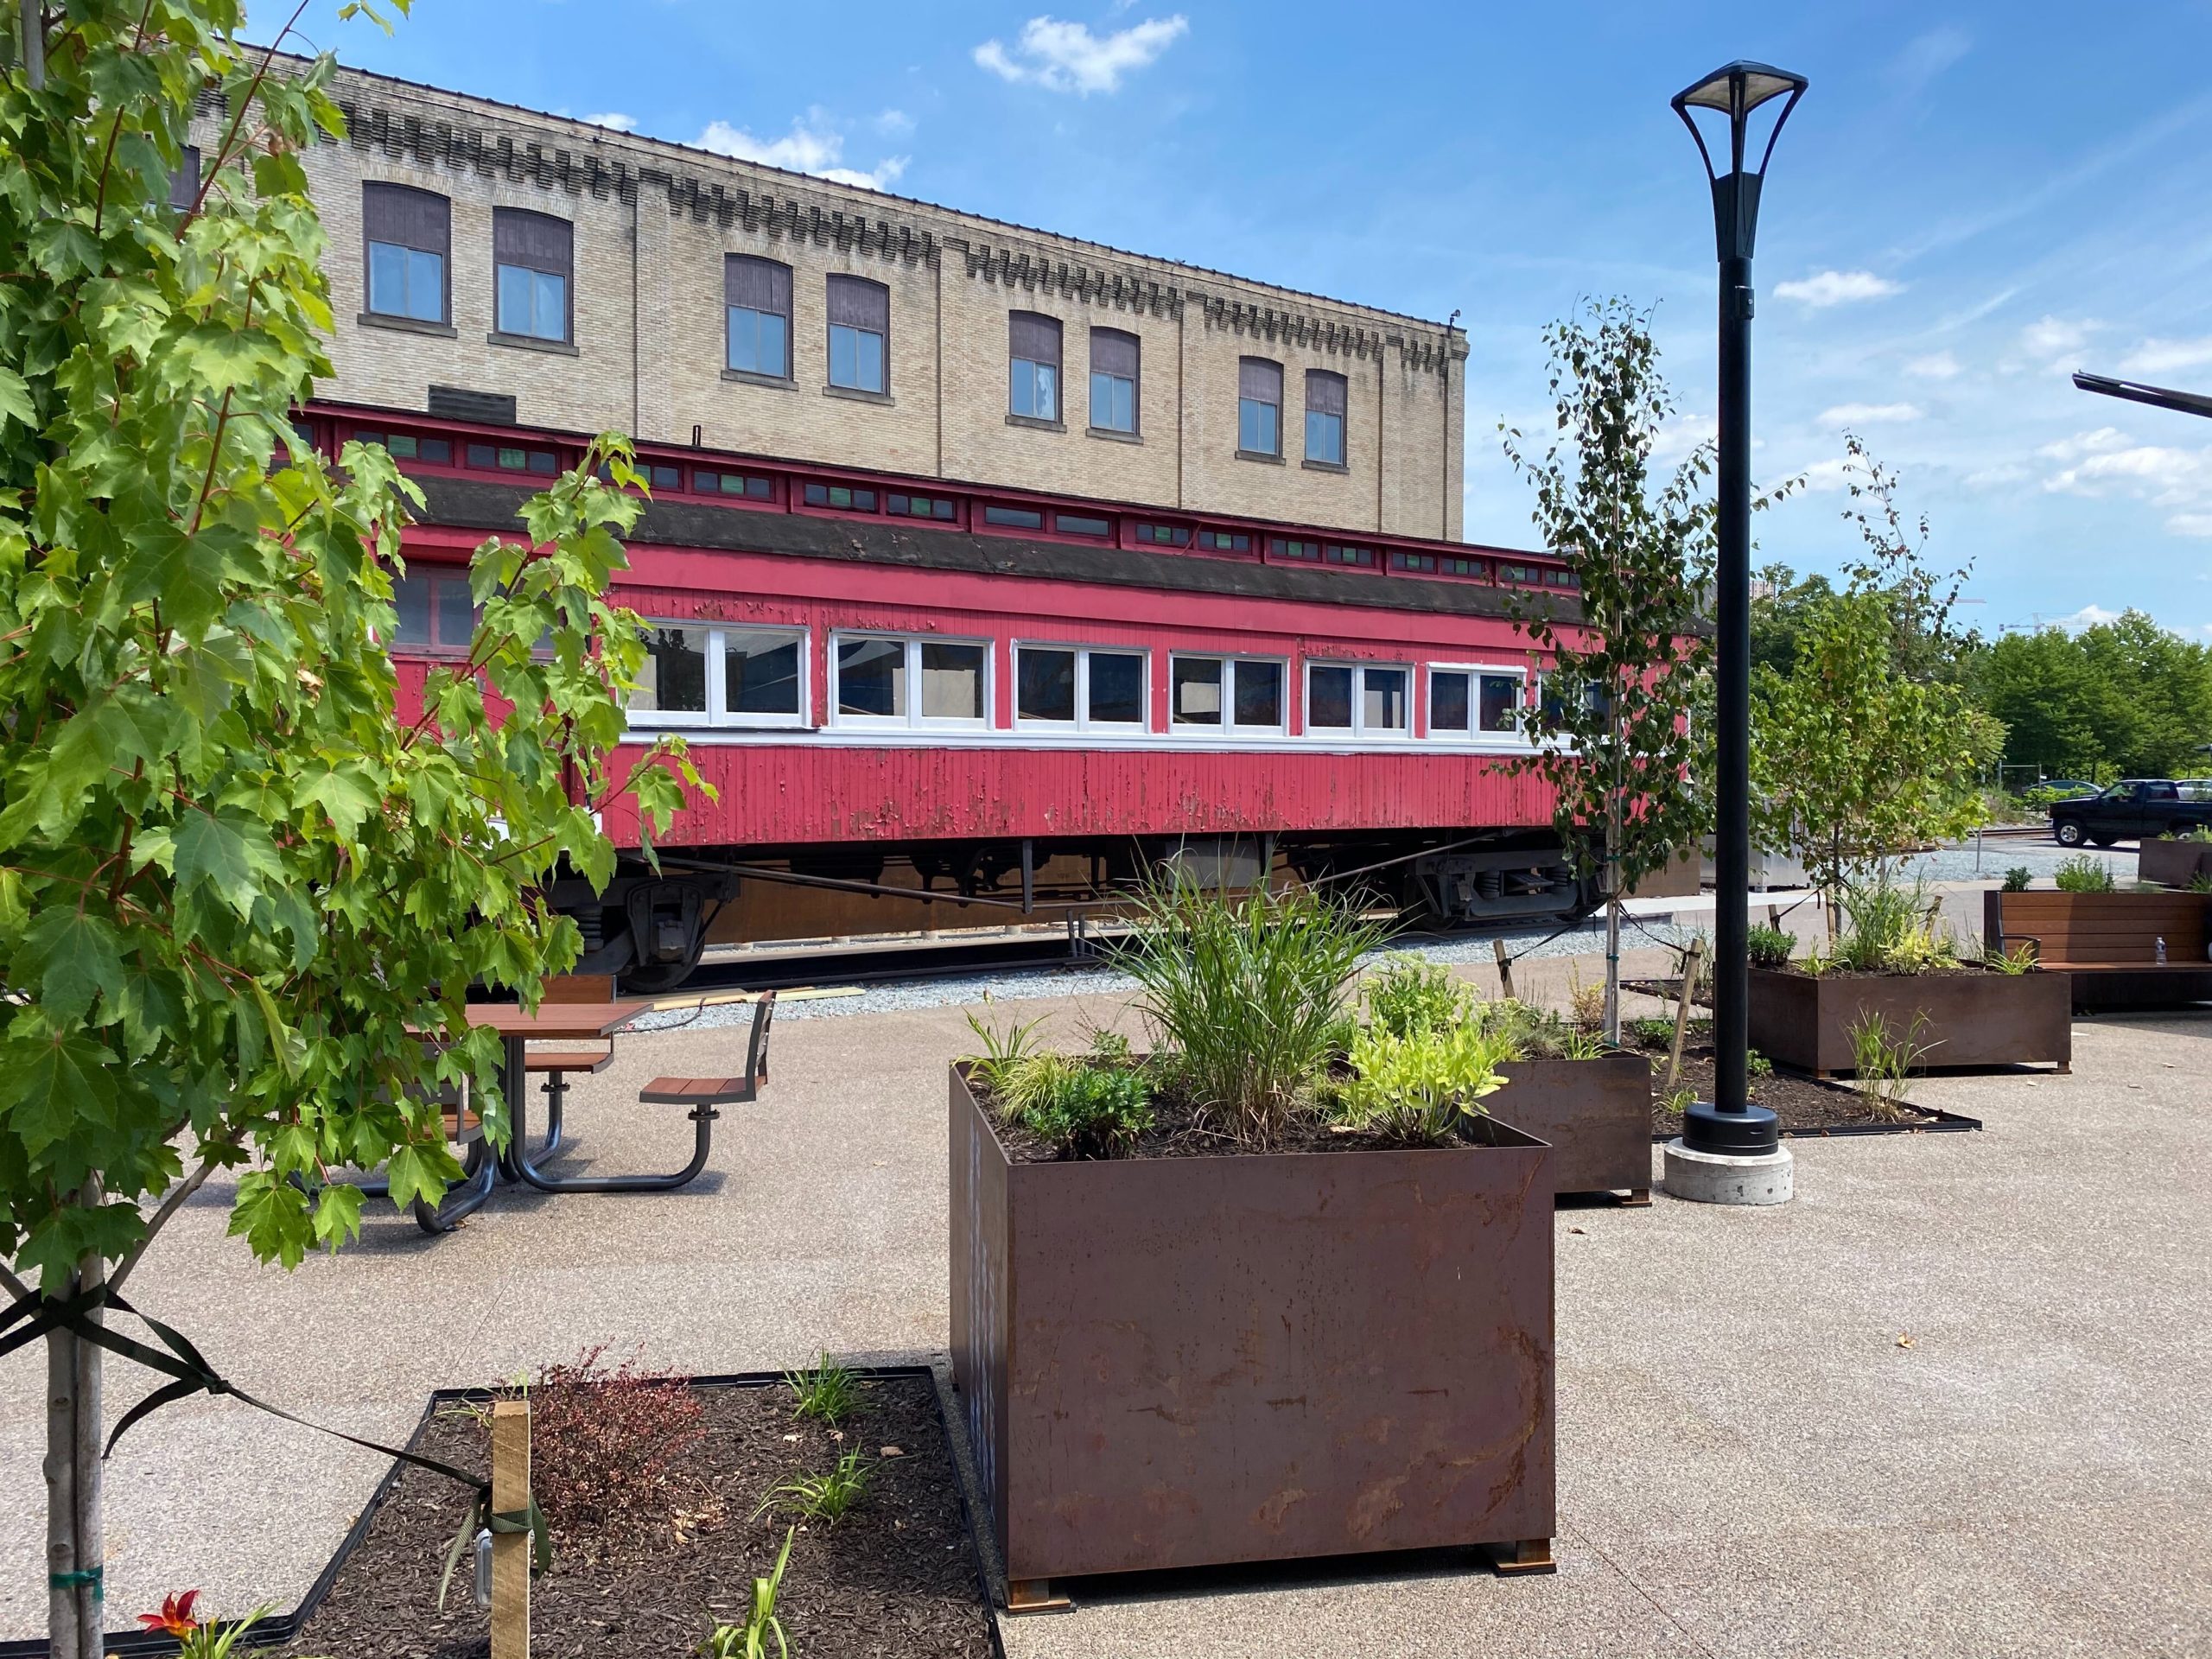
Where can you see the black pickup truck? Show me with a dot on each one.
(2129, 810)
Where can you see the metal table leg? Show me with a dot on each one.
(478, 1172)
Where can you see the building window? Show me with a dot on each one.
(1115, 358)
(757, 308)
(405, 446)
(533, 253)
(1225, 541)
(506, 458)
(1357, 698)
(1468, 568)
(184, 183)
(409, 233)
(750, 487)
(1325, 417)
(1259, 406)
(1333, 554)
(1424, 561)
(1014, 517)
(839, 497)
(696, 675)
(1284, 547)
(1464, 701)
(1517, 573)
(1078, 524)
(1164, 535)
(1079, 688)
(1033, 346)
(1238, 694)
(1560, 579)
(860, 328)
(436, 611)
(881, 680)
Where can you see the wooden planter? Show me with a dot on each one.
(2171, 864)
(1596, 1116)
(1975, 1017)
(1179, 1362)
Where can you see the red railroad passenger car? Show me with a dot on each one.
(900, 685)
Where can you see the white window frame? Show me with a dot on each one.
(911, 667)
(1359, 728)
(1519, 736)
(1227, 726)
(1141, 726)
(718, 712)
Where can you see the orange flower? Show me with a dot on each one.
(176, 1618)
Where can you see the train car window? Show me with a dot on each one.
(1259, 695)
(1336, 555)
(1225, 541)
(673, 687)
(1365, 700)
(1423, 561)
(1516, 573)
(1501, 703)
(742, 483)
(1560, 579)
(1014, 517)
(661, 477)
(952, 682)
(494, 457)
(1164, 535)
(1283, 548)
(840, 496)
(872, 678)
(1071, 523)
(1044, 684)
(1114, 694)
(1467, 567)
(436, 612)
(1450, 707)
(919, 506)
(1328, 698)
(760, 673)
(1194, 690)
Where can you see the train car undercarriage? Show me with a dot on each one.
(651, 927)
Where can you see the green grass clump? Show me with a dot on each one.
(826, 1496)
(2081, 873)
(829, 1392)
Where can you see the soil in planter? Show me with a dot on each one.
(1802, 1105)
(896, 1575)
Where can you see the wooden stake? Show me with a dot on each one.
(509, 1550)
(1692, 959)
(1504, 967)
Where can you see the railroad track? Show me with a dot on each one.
(816, 965)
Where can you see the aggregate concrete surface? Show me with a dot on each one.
(1953, 1400)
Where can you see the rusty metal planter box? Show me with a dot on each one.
(1182, 1362)
(1973, 1019)
(2171, 864)
(1595, 1115)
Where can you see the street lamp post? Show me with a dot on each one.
(1728, 1125)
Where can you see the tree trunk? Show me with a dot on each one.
(76, 1610)
(1613, 889)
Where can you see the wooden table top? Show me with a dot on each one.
(561, 1021)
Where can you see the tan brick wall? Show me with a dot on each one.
(653, 221)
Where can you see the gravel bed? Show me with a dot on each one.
(2041, 855)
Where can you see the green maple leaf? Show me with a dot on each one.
(50, 1091)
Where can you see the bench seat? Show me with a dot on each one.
(568, 1060)
(697, 1091)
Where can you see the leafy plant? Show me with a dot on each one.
(829, 1392)
(1680, 1101)
(1888, 930)
(1770, 947)
(605, 1441)
(1416, 1089)
(826, 1496)
(1652, 1030)
(2201, 882)
(239, 883)
(1612, 734)
(199, 1638)
(2081, 873)
(1529, 1033)
(1408, 995)
(1757, 1064)
(2017, 878)
(750, 1639)
(1004, 1051)
(1247, 994)
(1083, 1108)
(2020, 959)
(1585, 1004)
(1883, 1062)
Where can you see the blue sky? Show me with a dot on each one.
(1971, 202)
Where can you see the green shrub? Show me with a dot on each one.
(1887, 929)
(1652, 1030)
(2081, 873)
(1415, 1088)
(1768, 947)
(1533, 1033)
(2201, 882)
(1757, 1064)
(1246, 996)
(2017, 879)
(1409, 995)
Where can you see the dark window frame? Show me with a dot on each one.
(734, 261)
(515, 216)
(1114, 339)
(1037, 325)
(833, 282)
(385, 187)
(1329, 385)
(1245, 379)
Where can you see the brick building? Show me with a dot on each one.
(603, 279)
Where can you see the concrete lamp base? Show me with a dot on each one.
(1718, 1178)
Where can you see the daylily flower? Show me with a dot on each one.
(176, 1618)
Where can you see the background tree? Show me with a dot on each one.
(235, 884)
(2124, 698)
(1612, 731)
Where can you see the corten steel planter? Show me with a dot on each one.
(1183, 1362)
(1975, 1017)
(1595, 1115)
(2171, 864)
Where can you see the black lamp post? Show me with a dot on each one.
(1729, 1124)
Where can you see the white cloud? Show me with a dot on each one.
(2047, 339)
(2088, 616)
(1869, 414)
(2102, 441)
(1064, 57)
(1928, 55)
(1824, 477)
(895, 124)
(1936, 365)
(2003, 476)
(2191, 523)
(1828, 288)
(811, 146)
(614, 119)
(1682, 435)
(2164, 356)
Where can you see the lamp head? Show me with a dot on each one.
(1735, 90)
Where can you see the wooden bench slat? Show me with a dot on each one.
(570, 1060)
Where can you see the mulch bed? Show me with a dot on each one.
(1803, 1105)
(896, 1575)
